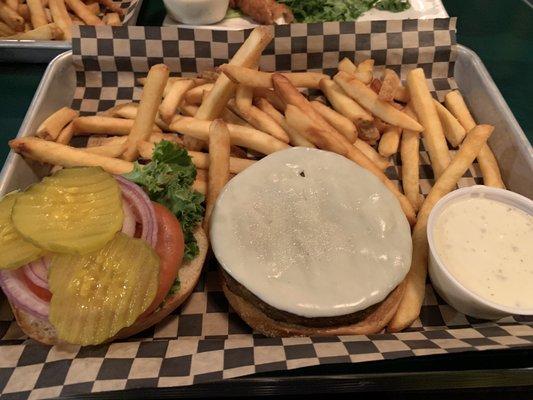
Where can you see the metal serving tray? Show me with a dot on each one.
(509, 143)
(42, 51)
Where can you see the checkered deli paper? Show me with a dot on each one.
(205, 340)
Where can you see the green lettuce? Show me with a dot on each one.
(168, 180)
(340, 10)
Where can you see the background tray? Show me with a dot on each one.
(43, 51)
(420, 9)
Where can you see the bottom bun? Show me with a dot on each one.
(189, 274)
(373, 323)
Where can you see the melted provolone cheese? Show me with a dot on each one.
(311, 233)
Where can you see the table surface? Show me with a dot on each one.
(500, 34)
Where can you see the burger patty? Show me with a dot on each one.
(284, 316)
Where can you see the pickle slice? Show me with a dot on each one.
(74, 211)
(96, 295)
(14, 250)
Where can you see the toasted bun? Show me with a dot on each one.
(42, 331)
(262, 323)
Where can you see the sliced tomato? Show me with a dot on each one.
(170, 247)
(42, 293)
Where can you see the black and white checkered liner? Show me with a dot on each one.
(204, 340)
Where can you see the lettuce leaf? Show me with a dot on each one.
(340, 10)
(168, 180)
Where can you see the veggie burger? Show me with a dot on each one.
(87, 257)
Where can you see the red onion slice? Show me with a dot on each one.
(142, 208)
(37, 272)
(128, 227)
(19, 294)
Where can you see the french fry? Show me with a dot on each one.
(389, 85)
(111, 6)
(390, 141)
(113, 150)
(38, 16)
(365, 71)
(12, 18)
(94, 7)
(337, 120)
(112, 19)
(6, 30)
(486, 159)
(289, 94)
(199, 159)
(83, 12)
(381, 162)
(402, 94)
(98, 140)
(236, 165)
(455, 103)
(411, 303)
(129, 111)
(232, 118)
(219, 165)
(210, 75)
(247, 56)
(51, 127)
(243, 98)
(241, 136)
(369, 99)
(58, 154)
(271, 96)
(147, 111)
(410, 156)
(61, 17)
(157, 137)
(342, 103)
(66, 134)
(200, 186)
(424, 107)
(188, 110)
(194, 95)
(169, 105)
(368, 132)
(45, 32)
(261, 121)
(197, 82)
(366, 66)
(295, 138)
(453, 130)
(306, 127)
(260, 79)
(97, 125)
(347, 66)
(13, 4)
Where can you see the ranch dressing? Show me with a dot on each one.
(311, 233)
(487, 246)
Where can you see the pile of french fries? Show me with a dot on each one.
(223, 116)
(53, 19)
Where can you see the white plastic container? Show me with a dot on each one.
(197, 12)
(447, 286)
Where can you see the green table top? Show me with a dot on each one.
(500, 34)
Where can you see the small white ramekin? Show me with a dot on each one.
(197, 12)
(449, 288)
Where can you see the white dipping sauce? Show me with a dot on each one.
(311, 233)
(487, 246)
(197, 12)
